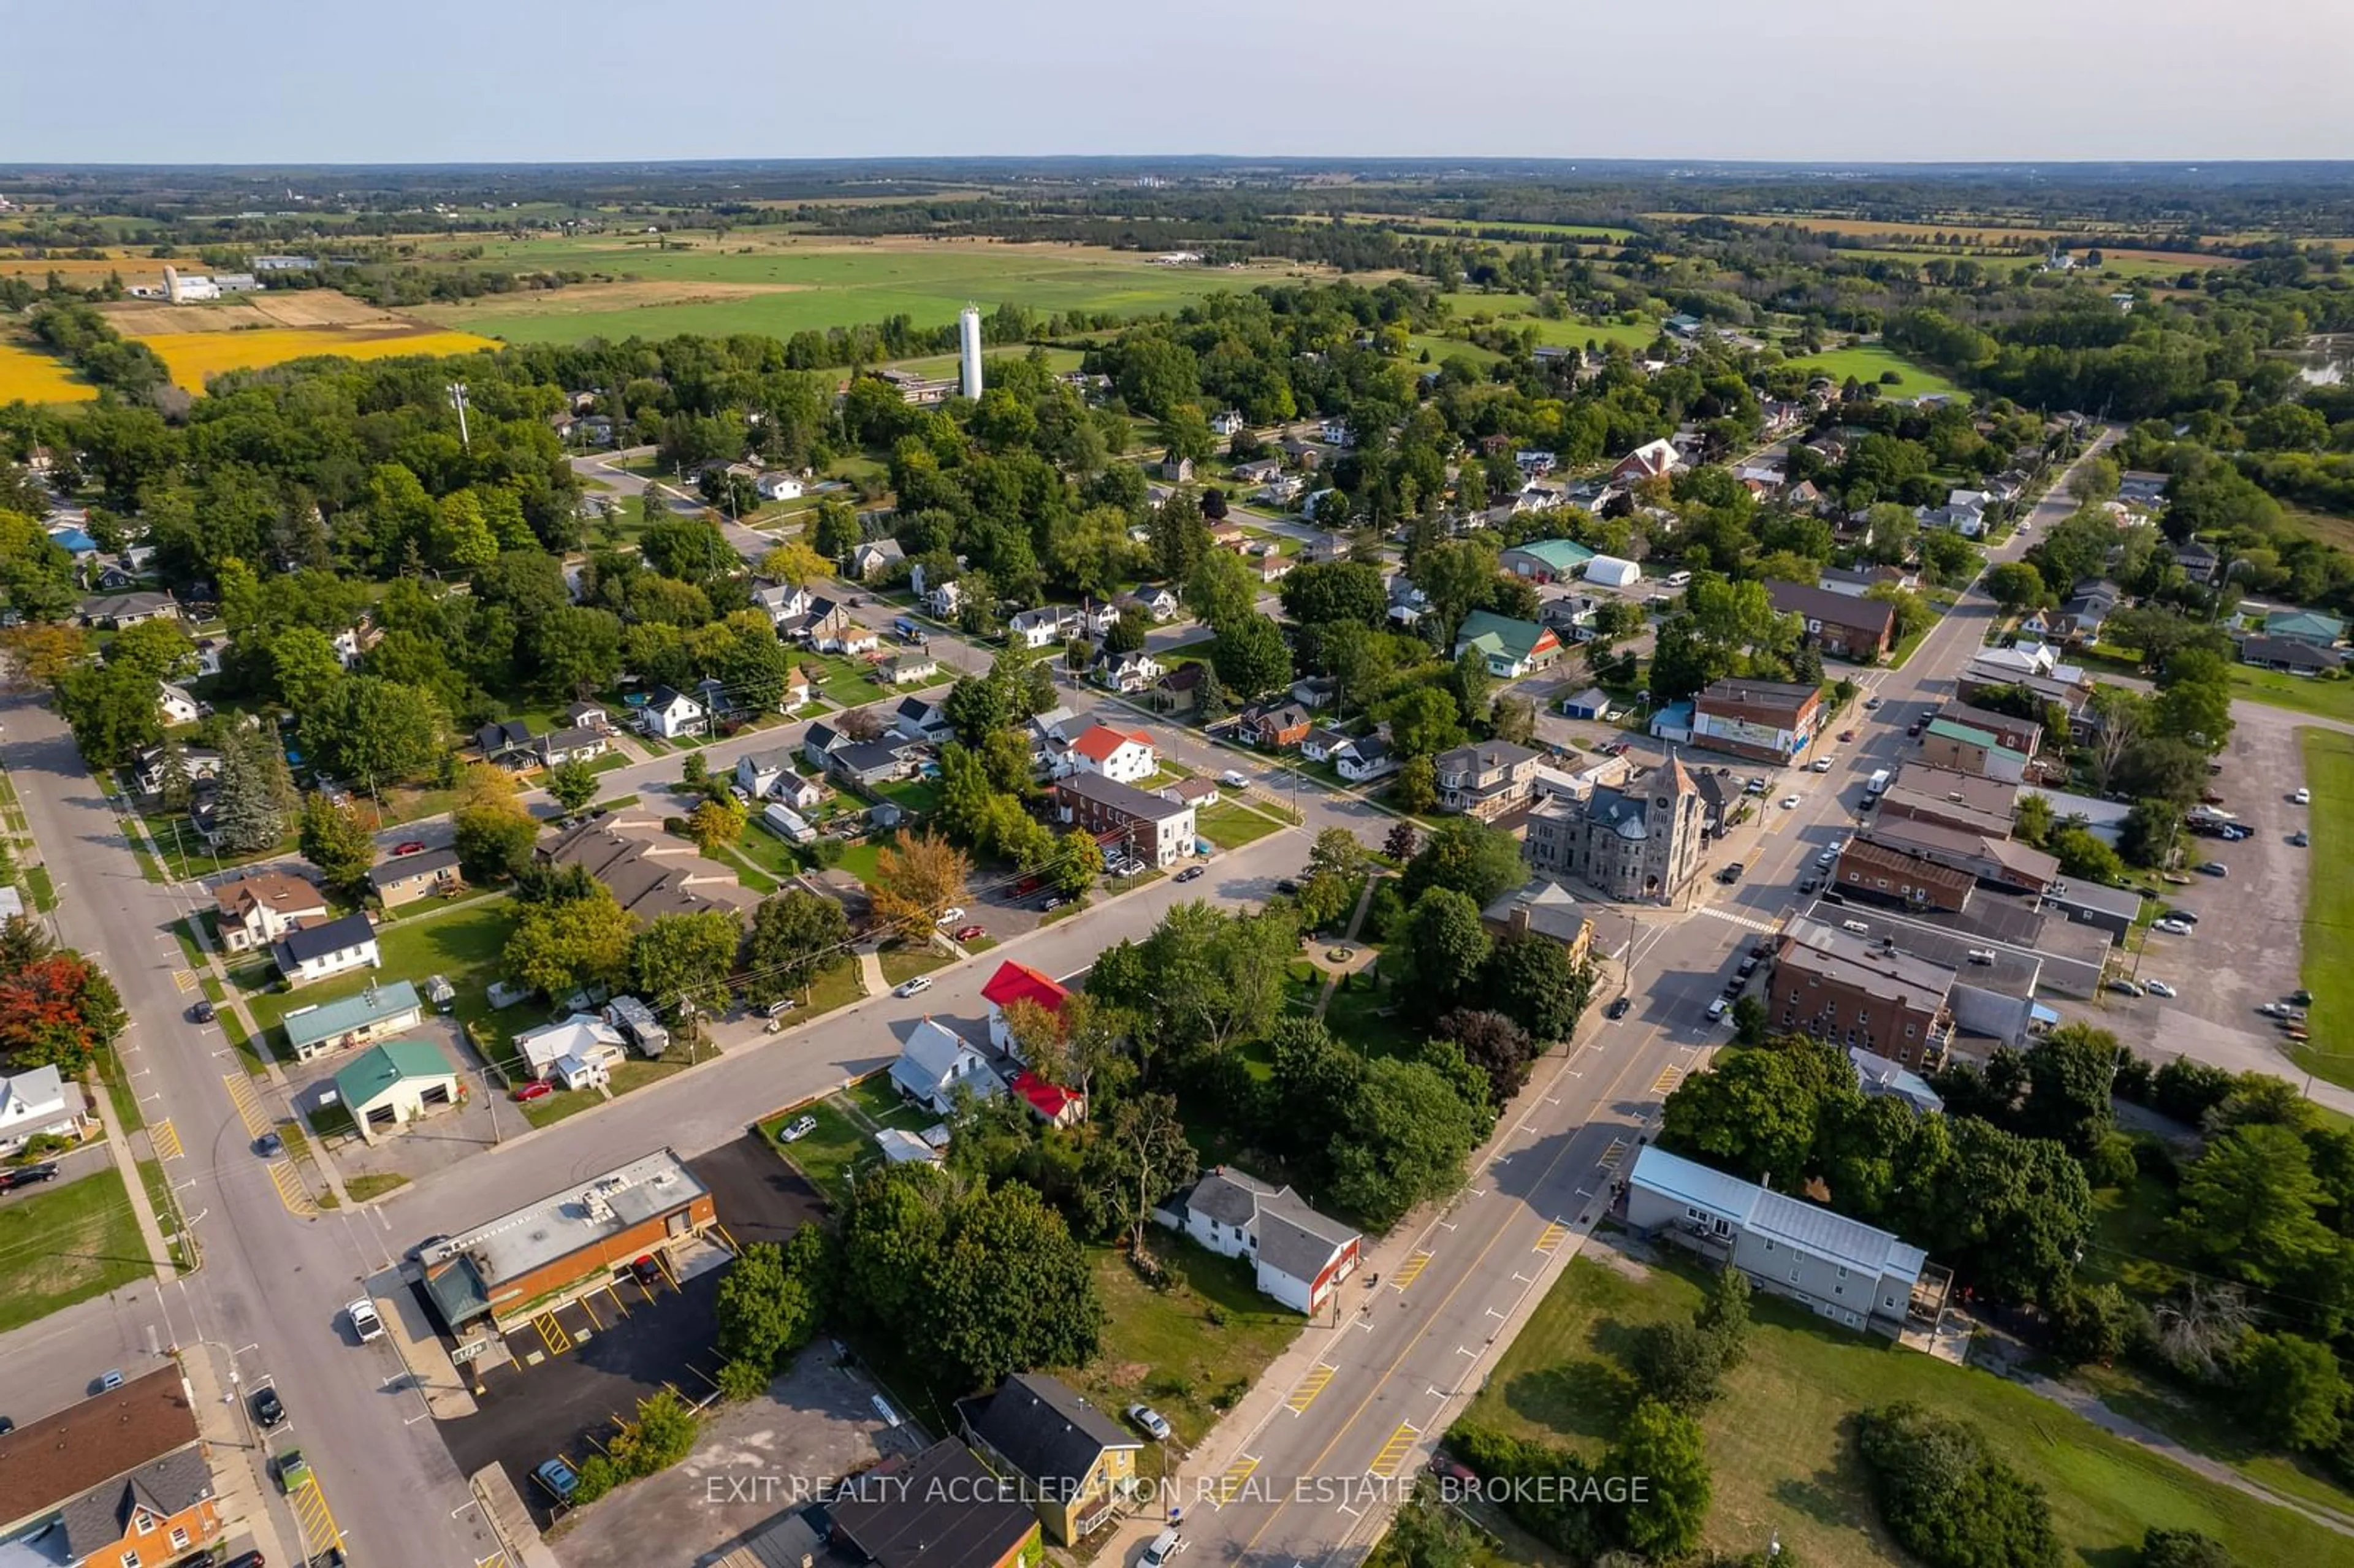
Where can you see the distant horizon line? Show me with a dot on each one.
(1244, 160)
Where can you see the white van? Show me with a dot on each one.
(1857, 926)
(1679, 579)
(1158, 1551)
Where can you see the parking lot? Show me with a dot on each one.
(578, 1369)
(2245, 948)
(427, 1145)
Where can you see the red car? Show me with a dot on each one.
(538, 1089)
(1847, 735)
(412, 847)
(967, 933)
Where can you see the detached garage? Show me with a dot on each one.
(392, 1085)
(1589, 704)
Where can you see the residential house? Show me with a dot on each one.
(379, 1012)
(939, 1509)
(1126, 756)
(2199, 563)
(1485, 780)
(1652, 460)
(1227, 422)
(1281, 491)
(2287, 655)
(1125, 820)
(908, 669)
(1157, 602)
(1175, 692)
(820, 741)
(1130, 672)
(1337, 433)
(210, 651)
(1195, 792)
(937, 1062)
(37, 1102)
(943, 599)
(580, 1046)
(581, 743)
(777, 487)
(1259, 471)
(876, 558)
(1015, 982)
(2143, 489)
(389, 1087)
(920, 719)
(331, 948)
(1366, 759)
(1177, 470)
(821, 624)
(2306, 626)
(1042, 627)
(507, 744)
(1855, 990)
(589, 715)
(174, 706)
(1840, 1268)
(758, 773)
(152, 766)
(1407, 602)
(1510, 648)
(1274, 725)
(1318, 743)
(1542, 909)
(1840, 625)
(259, 908)
(1302, 1256)
(1546, 560)
(113, 1481)
(781, 602)
(1075, 1462)
(670, 714)
(1589, 704)
(869, 762)
(1765, 721)
(117, 610)
(649, 872)
(406, 878)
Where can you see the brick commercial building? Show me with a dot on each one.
(1851, 990)
(515, 1266)
(1842, 625)
(1922, 792)
(1765, 721)
(1125, 820)
(1998, 861)
(1874, 872)
(2022, 735)
(1968, 749)
(120, 1481)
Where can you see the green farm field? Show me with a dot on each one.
(780, 289)
(1867, 362)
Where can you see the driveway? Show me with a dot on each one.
(439, 1138)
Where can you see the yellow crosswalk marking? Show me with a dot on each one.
(316, 1520)
(248, 1104)
(1386, 1463)
(292, 1191)
(1612, 1155)
(1304, 1395)
(1666, 1081)
(185, 979)
(167, 1140)
(1410, 1270)
(1237, 1474)
(1551, 1236)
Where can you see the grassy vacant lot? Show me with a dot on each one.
(782, 284)
(462, 944)
(2328, 967)
(905, 960)
(828, 1155)
(1189, 1350)
(2300, 694)
(1866, 364)
(1781, 1441)
(68, 1245)
(1230, 826)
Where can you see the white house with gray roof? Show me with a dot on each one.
(1301, 1255)
(937, 1062)
(1843, 1269)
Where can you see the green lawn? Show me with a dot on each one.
(1867, 362)
(1781, 1440)
(1189, 1350)
(68, 1245)
(2329, 965)
(462, 943)
(2300, 694)
(1230, 825)
(919, 797)
(840, 679)
(828, 1155)
(905, 961)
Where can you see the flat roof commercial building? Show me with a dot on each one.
(1854, 989)
(1765, 721)
(510, 1268)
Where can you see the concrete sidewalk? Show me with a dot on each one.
(239, 1452)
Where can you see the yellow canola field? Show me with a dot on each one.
(193, 356)
(32, 377)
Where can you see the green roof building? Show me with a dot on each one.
(388, 1087)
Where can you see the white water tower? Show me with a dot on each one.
(968, 347)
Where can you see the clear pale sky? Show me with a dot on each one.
(497, 80)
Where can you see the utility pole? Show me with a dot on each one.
(458, 401)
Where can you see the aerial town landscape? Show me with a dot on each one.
(943, 861)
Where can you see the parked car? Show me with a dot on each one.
(2158, 988)
(2172, 927)
(201, 1013)
(1150, 1421)
(1829, 858)
(1617, 1009)
(536, 1089)
(2187, 916)
(2124, 988)
(1823, 764)
(1053, 903)
(1234, 780)
(365, 1322)
(2300, 837)
(910, 988)
(2213, 868)
(1717, 1008)
(1789, 802)
(268, 1408)
(968, 933)
(1810, 883)
(1912, 730)
(2273, 1009)
(1732, 873)
(293, 1471)
(949, 916)
(558, 1478)
(1871, 702)
(27, 1175)
(2303, 797)
(1846, 736)
(270, 1146)
(1287, 885)
(1754, 786)
(793, 1131)
(1190, 873)
(414, 846)
(646, 1271)
(1452, 1469)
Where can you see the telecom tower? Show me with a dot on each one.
(969, 347)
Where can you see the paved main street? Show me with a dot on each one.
(1452, 1283)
